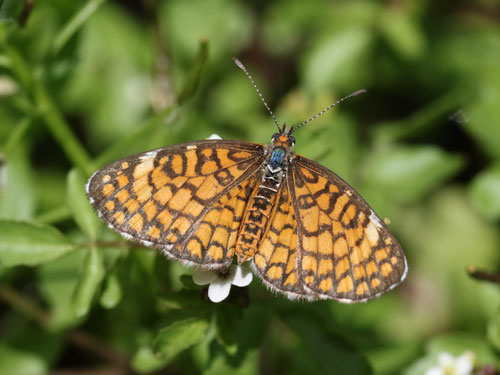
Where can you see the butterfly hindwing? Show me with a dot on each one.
(346, 251)
(275, 261)
(159, 198)
(213, 238)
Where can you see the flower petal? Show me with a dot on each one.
(215, 136)
(464, 364)
(446, 359)
(219, 290)
(435, 371)
(202, 277)
(242, 276)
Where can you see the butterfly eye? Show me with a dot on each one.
(291, 140)
(275, 136)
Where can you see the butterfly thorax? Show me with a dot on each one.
(264, 197)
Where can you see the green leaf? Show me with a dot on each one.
(194, 74)
(390, 359)
(14, 361)
(79, 204)
(227, 24)
(17, 185)
(332, 354)
(93, 273)
(485, 192)
(10, 9)
(250, 328)
(408, 173)
(57, 282)
(446, 236)
(222, 363)
(335, 61)
(136, 139)
(402, 32)
(74, 24)
(481, 117)
(493, 331)
(112, 293)
(27, 350)
(226, 324)
(113, 97)
(145, 360)
(180, 335)
(30, 244)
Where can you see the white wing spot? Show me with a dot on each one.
(375, 220)
(127, 236)
(148, 155)
(372, 233)
(191, 147)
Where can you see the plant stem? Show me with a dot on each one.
(77, 337)
(59, 128)
(78, 19)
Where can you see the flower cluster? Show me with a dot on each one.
(450, 365)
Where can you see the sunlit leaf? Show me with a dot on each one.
(30, 244)
(485, 192)
(112, 292)
(179, 336)
(79, 204)
(408, 173)
(92, 275)
(17, 187)
(333, 61)
(145, 360)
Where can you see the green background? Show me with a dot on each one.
(83, 83)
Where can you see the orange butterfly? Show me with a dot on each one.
(306, 232)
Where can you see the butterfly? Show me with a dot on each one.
(306, 232)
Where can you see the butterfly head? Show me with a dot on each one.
(284, 138)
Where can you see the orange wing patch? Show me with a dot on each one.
(161, 197)
(347, 253)
(276, 258)
(213, 241)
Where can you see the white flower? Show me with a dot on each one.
(214, 136)
(450, 365)
(220, 283)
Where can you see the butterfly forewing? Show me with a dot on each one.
(161, 197)
(346, 251)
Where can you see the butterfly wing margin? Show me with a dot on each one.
(346, 251)
(159, 197)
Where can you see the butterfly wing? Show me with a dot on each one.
(185, 200)
(275, 261)
(345, 250)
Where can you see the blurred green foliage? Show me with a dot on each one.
(83, 83)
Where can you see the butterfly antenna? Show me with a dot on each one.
(242, 67)
(356, 93)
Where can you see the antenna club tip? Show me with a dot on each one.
(359, 92)
(238, 62)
